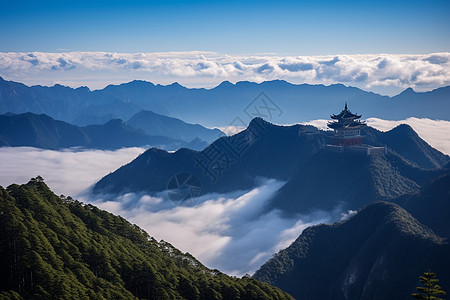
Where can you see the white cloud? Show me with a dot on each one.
(231, 130)
(347, 215)
(319, 123)
(67, 172)
(231, 232)
(434, 132)
(385, 73)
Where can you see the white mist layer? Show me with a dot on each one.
(231, 232)
(67, 172)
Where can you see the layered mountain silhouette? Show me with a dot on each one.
(315, 177)
(42, 131)
(159, 125)
(377, 254)
(58, 248)
(218, 106)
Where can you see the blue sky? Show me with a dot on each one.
(283, 27)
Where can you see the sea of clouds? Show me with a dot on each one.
(382, 73)
(232, 232)
(68, 172)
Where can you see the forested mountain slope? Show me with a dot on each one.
(58, 248)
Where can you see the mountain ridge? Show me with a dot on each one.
(42, 131)
(294, 154)
(217, 106)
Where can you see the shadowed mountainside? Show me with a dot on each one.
(316, 178)
(431, 205)
(377, 254)
(228, 164)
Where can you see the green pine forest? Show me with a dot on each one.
(55, 247)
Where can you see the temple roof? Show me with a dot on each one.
(346, 125)
(345, 114)
(346, 120)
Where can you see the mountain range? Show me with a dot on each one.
(383, 245)
(277, 101)
(315, 177)
(42, 131)
(54, 247)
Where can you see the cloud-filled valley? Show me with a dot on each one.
(381, 73)
(218, 227)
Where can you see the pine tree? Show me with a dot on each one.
(431, 288)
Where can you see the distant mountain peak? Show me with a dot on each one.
(145, 112)
(136, 81)
(83, 88)
(245, 83)
(258, 123)
(275, 81)
(404, 128)
(58, 85)
(225, 83)
(176, 84)
(408, 91)
(114, 122)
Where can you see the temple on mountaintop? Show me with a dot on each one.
(347, 134)
(347, 128)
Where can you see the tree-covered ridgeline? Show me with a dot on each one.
(55, 247)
